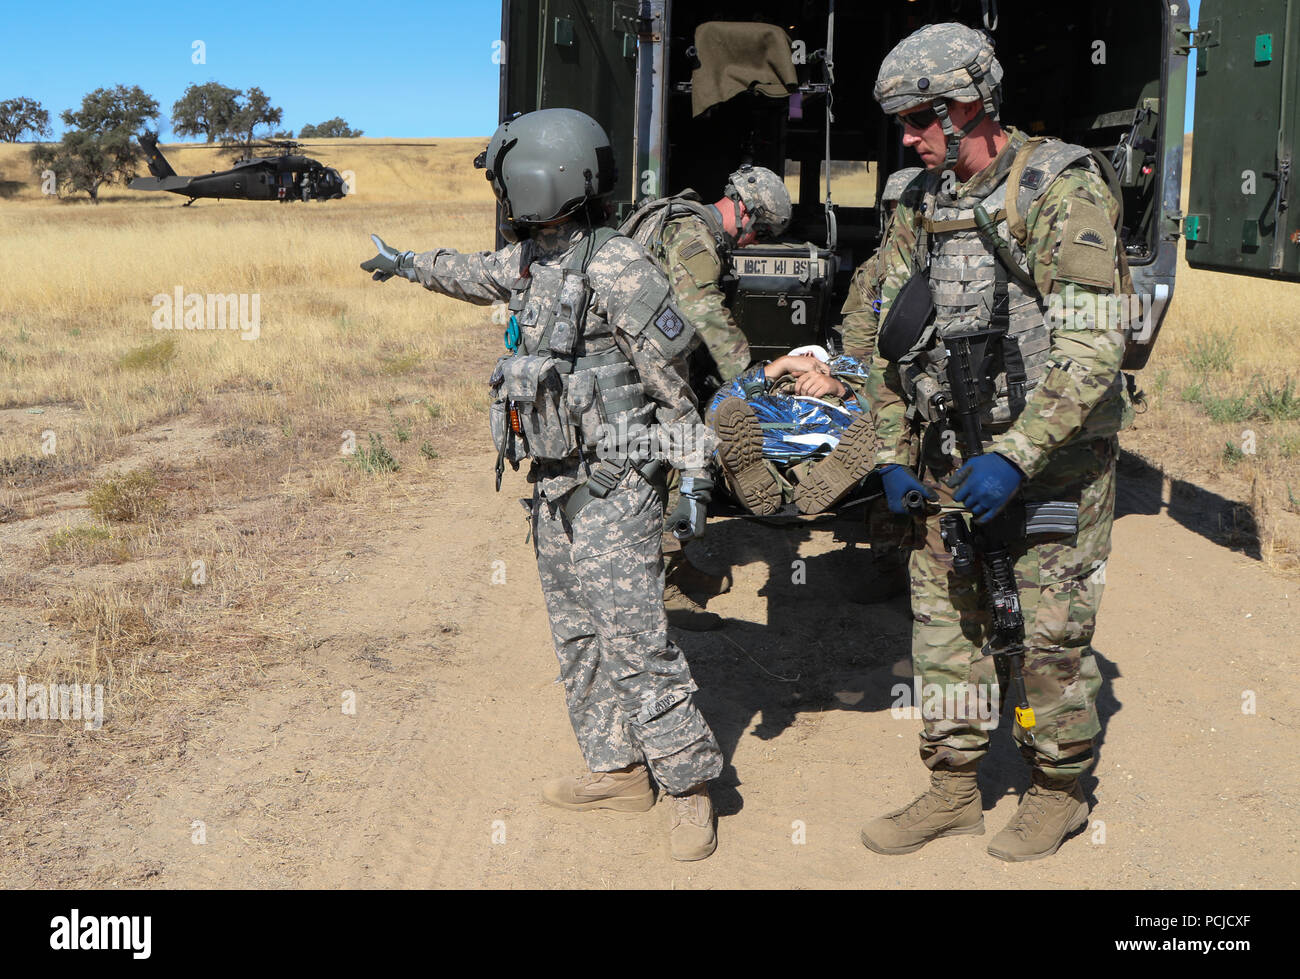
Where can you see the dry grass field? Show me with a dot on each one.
(1224, 391)
(129, 453)
(161, 491)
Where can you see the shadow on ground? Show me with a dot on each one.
(822, 649)
(1225, 522)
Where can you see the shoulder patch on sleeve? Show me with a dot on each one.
(1088, 246)
(670, 324)
(1032, 178)
(694, 248)
(642, 306)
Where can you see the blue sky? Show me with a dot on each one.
(400, 68)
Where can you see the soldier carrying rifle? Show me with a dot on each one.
(983, 383)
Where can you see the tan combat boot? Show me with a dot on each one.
(625, 791)
(1050, 811)
(740, 447)
(691, 831)
(847, 465)
(951, 807)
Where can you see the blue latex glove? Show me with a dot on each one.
(985, 485)
(897, 481)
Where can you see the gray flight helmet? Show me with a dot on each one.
(937, 64)
(546, 165)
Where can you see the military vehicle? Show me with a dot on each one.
(689, 91)
(285, 177)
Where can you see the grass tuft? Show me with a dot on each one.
(133, 498)
(150, 356)
(1212, 352)
(376, 458)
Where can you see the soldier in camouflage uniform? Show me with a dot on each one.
(886, 576)
(1051, 414)
(862, 306)
(692, 242)
(597, 373)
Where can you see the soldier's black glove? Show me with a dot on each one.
(390, 262)
(688, 519)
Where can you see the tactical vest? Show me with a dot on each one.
(646, 224)
(972, 290)
(567, 377)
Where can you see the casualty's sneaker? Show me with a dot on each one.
(950, 807)
(692, 833)
(1050, 811)
(627, 791)
(740, 447)
(847, 465)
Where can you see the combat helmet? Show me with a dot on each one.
(545, 165)
(937, 63)
(897, 183)
(766, 199)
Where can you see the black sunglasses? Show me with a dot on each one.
(918, 120)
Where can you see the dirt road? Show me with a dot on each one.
(435, 630)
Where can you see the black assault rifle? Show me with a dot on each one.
(988, 545)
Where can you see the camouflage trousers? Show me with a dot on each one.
(628, 688)
(1061, 585)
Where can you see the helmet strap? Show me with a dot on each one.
(951, 133)
(956, 134)
(742, 223)
(987, 95)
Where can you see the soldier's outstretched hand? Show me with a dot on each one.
(389, 262)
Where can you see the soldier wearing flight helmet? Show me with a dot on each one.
(594, 374)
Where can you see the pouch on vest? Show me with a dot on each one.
(909, 315)
(570, 314)
(584, 407)
(535, 388)
(510, 445)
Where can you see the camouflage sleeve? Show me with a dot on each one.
(884, 389)
(655, 335)
(858, 326)
(694, 268)
(481, 278)
(1072, 252)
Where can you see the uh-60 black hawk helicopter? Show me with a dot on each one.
(286, 177)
